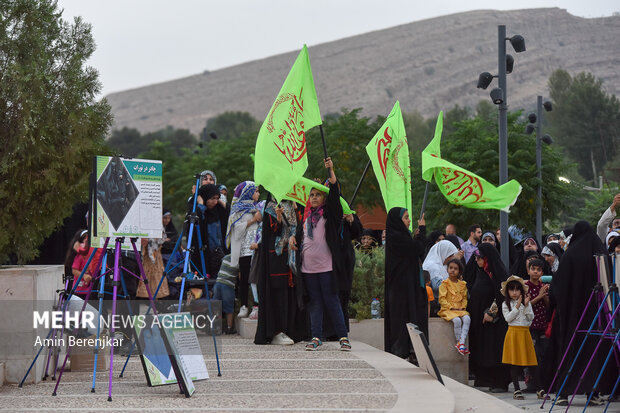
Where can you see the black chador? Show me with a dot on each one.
(405, 293)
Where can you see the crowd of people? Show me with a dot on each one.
(293, 264)
(519, 318)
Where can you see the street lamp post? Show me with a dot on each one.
(539, 169)
(499, 96)
(540, 138)
(503, 140)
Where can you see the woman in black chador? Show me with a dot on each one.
(570, 289)
(281, 318)
(405, 294)
(488, 327)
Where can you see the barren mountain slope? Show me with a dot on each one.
(428, 65)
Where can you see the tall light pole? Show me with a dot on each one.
(499, 96)
(540, 138)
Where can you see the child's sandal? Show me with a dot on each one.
(345, 344)
(517, 395)
(314, 344)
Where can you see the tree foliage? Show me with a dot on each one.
(585, 119)
(131, 143)
(50, 123)
(230, 125)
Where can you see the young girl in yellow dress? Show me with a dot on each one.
(453, 300)
(518, 346)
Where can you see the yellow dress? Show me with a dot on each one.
(452, 295)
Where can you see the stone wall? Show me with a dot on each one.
(22, 291)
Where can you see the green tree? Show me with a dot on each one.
(230, 125)
(179, 139)
(126, 142)
(50, 123)
(585, 120)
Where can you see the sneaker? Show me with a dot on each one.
(541, 394)
(345, 344)
(243, 312)
(517, 395)
(562, 402)
(254, 314)
(282, 339)
(230, 330)
(596, 400)
(314, 344)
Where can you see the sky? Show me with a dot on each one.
(142, 42)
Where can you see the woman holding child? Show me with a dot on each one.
(488, 327)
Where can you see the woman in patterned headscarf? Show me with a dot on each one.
(241, 235)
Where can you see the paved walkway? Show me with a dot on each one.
(267, 379)
(531, 403)
(254, 378)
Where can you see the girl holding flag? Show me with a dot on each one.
(318, 245)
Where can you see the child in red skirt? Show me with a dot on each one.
(518, 346)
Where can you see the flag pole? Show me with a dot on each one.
(329, 171)
(424, 200)
(359, 184)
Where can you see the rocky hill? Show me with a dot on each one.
(428, 65)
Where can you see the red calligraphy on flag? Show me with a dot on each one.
(383, 150)
(461, 185)
(291, 139)
(298, 194)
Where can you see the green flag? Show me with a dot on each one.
(461, 187)
(280, 155)
(301, 192)
(389, 155)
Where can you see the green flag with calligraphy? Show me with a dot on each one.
(280, 154)
(389, 155)
(301, 192)
(461, 187)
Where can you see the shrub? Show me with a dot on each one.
(368, 283)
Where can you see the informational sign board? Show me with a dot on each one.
(181, 335)
(156, 361)
(169, 348)
(126, 199)
(423, 352)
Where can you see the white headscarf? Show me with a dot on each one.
(611, 235)
(434, 262)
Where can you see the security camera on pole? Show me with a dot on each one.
(499, 96)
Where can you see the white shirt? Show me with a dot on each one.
(241, 238)
(521, 316)
(602, 228)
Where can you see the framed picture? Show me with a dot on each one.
(423, 352)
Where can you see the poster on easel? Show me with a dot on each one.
(126, 199)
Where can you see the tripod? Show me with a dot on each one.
(193, 220)
(604, 317)
(116, 282)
